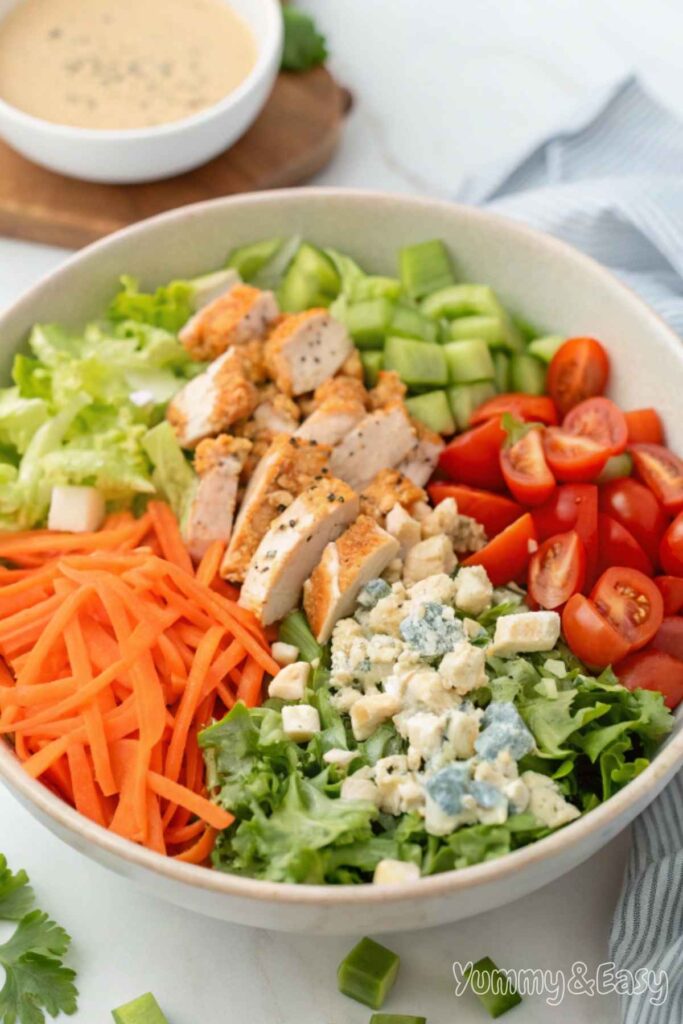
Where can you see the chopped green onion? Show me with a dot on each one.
(143, 1010)
(433, 410)
(368, 322)
(410, 323)
(294, 630)
(527, 374)
(465, 398)
(419, 364)
(396, 1018)
(501, 366)
(616, 467)
(368, 972)
(545, 348)
(425, 268)
(493, 988)
(311, 280)
(490, 329)
(468, 361)
(249, 259)
(373, 362)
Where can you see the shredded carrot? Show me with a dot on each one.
(207, 570)
(201, 850)
(249, 689)
(209, 812)
(166, 528)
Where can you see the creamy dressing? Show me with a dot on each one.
(116, 64)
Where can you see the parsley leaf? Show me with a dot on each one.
(16, 895)
(304, 47)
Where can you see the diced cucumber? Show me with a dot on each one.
(375, 288)
(373, 362)
(490, 329)
(465, 300)
(143, 1010)
(311, 280)
(368, 973)
(526, 330)
(501, 364)
(433, 410)
(527, 374)
(493, 988)
(545, 348)
(616, 467)
(368, 322)
(425, 268)
(468, 361)
(465, 398)
(419, 364)
(408, 322)
(248, 259)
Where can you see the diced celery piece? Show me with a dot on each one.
(501, 365)
(311, 280)
(433, 410)
(545, 348)
(375, 288)
(616, 467)
(468, 361)
(368, 972)
(465, 300)
(294, 630)
(465, 398)
(526, 330)
(373, 362)
(425, 268)
(396, 1018)
(410, 323)
(493, 989)
(368, 322)
(144, 1010)
(419, 364)
(248, 259)
(527, 374)
(490, 329)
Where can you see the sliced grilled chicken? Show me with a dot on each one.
(388, 488)
(213, 401)
(235, 317)
(421, 460)
(288, 466)
(305, 349)
(292, 547)
(388, 389)
(361, 554)
(218, 462)
(332, 420)
(379, 441)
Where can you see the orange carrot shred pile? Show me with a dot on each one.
(114, 654)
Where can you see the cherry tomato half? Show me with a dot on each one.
(644, 426)
(474, 457)
(557, 570)
(662, 471)
(590, 636)
(526, 471)
(493, 511)
(578, 370)
(671, 548)
(600, 420)
(616, 546)
(631, 602)
(671, 588)
(637, 509)
(530, 408)
(653, 670)
(506, 557)
(669, 636)
(572, 507)
(573, 458)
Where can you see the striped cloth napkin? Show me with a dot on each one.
(611, 183)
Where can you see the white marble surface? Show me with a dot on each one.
(442, 87)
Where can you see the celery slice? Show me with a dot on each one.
(465, 398)
(419, 364)
(375, 288)
(501, 366)
(368, 972)
(143, 1010)
(468, 361)
(433, 410)
(425, 268)
(527, 374)
(410, 323)
(249, 259)
(311, 280)
(545, 348)
(493, 989)
(490, 329)
(373, 362)
(480, 300)
(368, 322)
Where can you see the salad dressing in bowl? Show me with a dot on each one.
(122, 64)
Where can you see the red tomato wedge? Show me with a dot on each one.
(526, 471)
(578, 370)
(473, 458)
(600, 420)
(493, 511)
(590, 636)
(616, 546)
(662, 471)
(530, 408)
(573, 458)
(671, 588)
(557, 570)
(644, 427)
(637, 509)
(671, 548)
(631, 603)
(572, 507)
(506, 557)
(669, 636)
(653, 670)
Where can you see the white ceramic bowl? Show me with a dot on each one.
(549, 283)
(149, 154)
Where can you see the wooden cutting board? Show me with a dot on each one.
(293, 138)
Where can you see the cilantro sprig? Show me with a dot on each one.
(36, 980)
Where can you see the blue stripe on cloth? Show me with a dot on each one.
(611, 183)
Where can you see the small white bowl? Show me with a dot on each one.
(123, 157)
